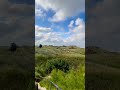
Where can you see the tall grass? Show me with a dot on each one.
(17, 69)
(73, 80)
(66, 66)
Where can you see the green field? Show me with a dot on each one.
(102, 70)
(17, 69)
(63, 65)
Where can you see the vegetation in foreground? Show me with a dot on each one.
(17, 69)
(102, 69)
(63, 65)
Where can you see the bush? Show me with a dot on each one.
(13, 47)
(40, 46)
(72, 80)
(57, 64)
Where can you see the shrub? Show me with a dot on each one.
(57, 64)
(72, 47)
(13, 47)
(72, 80)
(40, 46)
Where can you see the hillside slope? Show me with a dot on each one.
(16, 69)
(66, 64)
(54, 50)
(102, 69)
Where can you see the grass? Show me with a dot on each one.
(17, 69)
(70, 80)
(102, 70)
(73, 80)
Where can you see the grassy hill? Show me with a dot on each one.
(63, 65)
(57, 59)
(102, 69)
(54, 50)
(17, 69)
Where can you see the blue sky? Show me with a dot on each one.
(60, 22)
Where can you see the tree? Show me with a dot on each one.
(40, 46)
(13, 47)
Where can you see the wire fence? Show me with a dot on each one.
(55, 85)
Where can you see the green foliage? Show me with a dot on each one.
(12, 79)
(64, 66)
(103, 69)
(72, 80)
(16, 69)
(57, 64)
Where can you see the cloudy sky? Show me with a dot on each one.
(60, 22)
(17, 22)
(102, 24)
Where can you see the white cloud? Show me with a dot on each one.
(75, 36)
(16, 23)
(62, 8)
(42, 29)
(71, 24)
(39, 12)
(59, 16)
(104, 29)
(78, 21)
